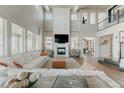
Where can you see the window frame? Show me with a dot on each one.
(48, 16)
(4, 37)
(37, 42)
(21, 40)
(93, 17)
(74, 16)
(49, 39)
(32, 45)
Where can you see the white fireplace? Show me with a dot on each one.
(61, 50)
(61, 31)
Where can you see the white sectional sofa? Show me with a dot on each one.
(31, 60)
(67, 72)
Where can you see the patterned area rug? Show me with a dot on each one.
(70, 63)
(70, 82)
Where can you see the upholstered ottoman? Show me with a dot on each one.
(58, 63)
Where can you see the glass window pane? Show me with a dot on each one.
(17, 39)
(48, 16)
(74, 42)
(30, 36)
(37, 42)
(92, 18)
(74, 16)
(48, 42)
(2, 36)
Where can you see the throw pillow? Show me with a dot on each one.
(44, 53)
(22, 75)
(9, 82)
(17, 64)
(22, 80)
(3, 64)
(41, 54)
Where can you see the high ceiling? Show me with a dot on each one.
(75, 8)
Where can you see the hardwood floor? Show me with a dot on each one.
(111, 71)
(79, 60)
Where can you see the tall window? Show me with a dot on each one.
(17, 44)
(74, 42)
(92, 18)
(48, 42)
(29, 41)
(48, 16)
(2, 36)
(37, 42)
(74, 16)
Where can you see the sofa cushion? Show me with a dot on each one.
(36, 63)
(35, 55)
(12, 71)
(27, 57)
(9, 62)
(38, 53)
(19, 59)
(17, 64)
(28, 60)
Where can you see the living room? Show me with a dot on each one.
(61, 46)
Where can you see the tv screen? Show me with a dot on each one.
(61, 38)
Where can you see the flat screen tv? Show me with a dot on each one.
(63, 38)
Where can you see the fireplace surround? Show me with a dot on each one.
(61, 50)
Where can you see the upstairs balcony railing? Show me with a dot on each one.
(114, 19)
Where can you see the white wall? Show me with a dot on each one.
(87, 30)
(75, 24)
(27, 16)
(61, 20)
(115, 31)
(24, 15)
(48, 23)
